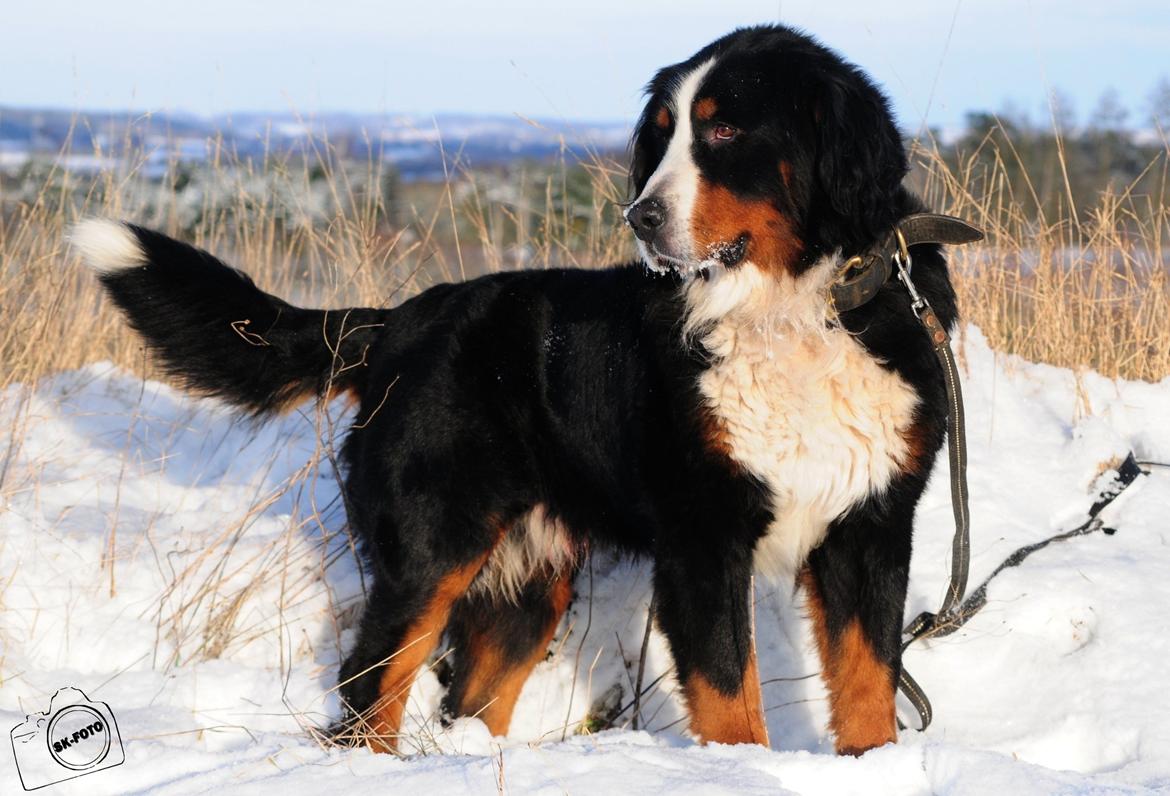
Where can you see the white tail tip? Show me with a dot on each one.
(106, 245)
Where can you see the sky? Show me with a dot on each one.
(937, 60)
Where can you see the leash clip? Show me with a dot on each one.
(904, 265)
(918, 304)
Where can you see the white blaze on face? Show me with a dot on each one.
(675, 182)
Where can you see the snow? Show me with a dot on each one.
(216, 635)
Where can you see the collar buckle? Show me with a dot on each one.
(862, 276)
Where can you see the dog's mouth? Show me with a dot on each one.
(731, 254)
(727, 254)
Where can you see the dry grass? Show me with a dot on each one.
(1084, 290)
(346, 254)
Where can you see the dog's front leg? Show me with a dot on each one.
(704, 607)
(855, 586)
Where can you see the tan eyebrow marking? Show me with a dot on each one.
(705, 109)
(662, 119)
(786, 173)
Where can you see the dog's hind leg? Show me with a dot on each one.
(497, 640)
(402, 624)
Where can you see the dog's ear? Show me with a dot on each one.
(860, 160)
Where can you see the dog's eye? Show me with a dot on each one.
(721, 133)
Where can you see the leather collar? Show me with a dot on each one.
(862, 276)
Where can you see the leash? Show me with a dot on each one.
(860, 279)
(945, 622)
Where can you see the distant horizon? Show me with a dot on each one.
(316, 114)
(1005, 111)
(936, 61)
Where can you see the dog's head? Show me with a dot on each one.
(765, 148)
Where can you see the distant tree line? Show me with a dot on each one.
(1056, 163)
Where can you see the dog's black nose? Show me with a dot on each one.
(646, 217)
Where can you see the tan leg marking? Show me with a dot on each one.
(719, 718)
(495, 682)
(861, 687)
(385, 719)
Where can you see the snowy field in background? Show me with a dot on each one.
(214, 637)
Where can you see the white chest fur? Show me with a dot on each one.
(803, 406)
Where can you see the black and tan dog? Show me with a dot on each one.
(706, 407)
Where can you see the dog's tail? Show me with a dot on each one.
(218, 333)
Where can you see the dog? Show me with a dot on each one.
(708, 407)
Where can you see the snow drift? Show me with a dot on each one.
(193, 571)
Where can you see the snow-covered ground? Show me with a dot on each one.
(193, 572)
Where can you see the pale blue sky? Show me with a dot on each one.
(555, 59)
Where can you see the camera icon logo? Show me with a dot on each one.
(76, 736)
